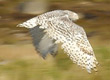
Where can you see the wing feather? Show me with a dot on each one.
(74, 41)
(43, 44)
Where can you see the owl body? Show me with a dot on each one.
(58, 27)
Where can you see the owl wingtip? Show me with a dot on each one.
(19, 25)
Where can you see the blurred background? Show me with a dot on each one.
(18, 58)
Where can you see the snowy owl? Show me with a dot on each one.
(51, 28)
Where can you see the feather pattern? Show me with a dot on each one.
(59, 26)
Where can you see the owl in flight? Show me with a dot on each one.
(51, 28)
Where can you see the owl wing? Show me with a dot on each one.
(43, 44)
(74, 42)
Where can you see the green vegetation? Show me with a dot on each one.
(59, 68)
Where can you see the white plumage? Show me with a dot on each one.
(57, 27)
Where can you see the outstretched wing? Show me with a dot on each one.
(42, 42)
(42, 19)
(74, 41)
